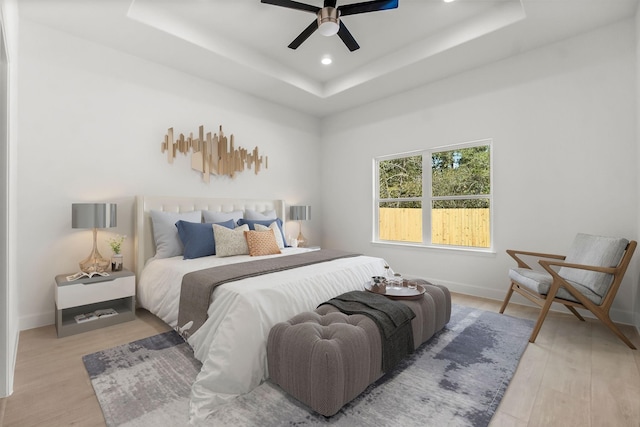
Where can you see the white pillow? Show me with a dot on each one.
(230, 242)
(213, 216)
(276, 232)
(260, 216)
(165, 233)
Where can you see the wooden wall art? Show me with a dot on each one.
(213, 155)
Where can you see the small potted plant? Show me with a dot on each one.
(116, 247)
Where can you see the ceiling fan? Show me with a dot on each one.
(328, 18)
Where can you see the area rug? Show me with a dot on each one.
(457, 378)
(146, 382)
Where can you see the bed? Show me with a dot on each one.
(231, 344)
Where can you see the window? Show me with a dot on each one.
(458, 196)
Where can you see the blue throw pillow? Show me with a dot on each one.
(197, 238)
(267, 222)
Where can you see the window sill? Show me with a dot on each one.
(457, 249)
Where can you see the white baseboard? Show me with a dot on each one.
(37, 320)
(476, 291)
(618, 316)
(15, 358)
(7, 388)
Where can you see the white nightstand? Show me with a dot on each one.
(86, 295)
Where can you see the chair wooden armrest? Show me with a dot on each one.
(547, 266)
(514, 254)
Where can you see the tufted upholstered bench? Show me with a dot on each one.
(326, 358)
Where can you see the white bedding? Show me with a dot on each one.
(232, 342)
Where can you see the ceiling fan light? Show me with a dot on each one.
(329, 28)
(328, 21)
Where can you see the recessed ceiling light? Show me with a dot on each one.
(326, 60)
(448, 1)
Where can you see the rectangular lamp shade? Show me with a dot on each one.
(93, 215)
(300, 213)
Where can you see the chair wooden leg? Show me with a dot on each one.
(507, 298)
(575, 312)
(541, 317)
(612, 326)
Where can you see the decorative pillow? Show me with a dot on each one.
(216, 217)
(165, 234)
(197, 238)
(266, 223)
(276, 232)
(262, 242)
(260, 216)
(230, 242)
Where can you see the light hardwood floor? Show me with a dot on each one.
(576, 374)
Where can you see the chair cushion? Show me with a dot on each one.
(537, 281)
(596, 251)
(540, 282)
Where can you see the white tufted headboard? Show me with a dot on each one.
(144, 247)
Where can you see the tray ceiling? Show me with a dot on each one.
(243, 43)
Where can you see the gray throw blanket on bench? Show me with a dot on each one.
(392, 317)
(197, 286)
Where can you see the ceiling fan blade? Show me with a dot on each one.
(292, 5)
(347, 38)
(367, 6)
(304, 35)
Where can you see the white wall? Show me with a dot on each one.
(562, 118)
(636, 299)
(9, 329)
(91, 123)
(563, 123)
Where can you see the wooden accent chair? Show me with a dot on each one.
(588, 277)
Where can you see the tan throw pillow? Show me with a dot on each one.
(261, 243)
(230, 242)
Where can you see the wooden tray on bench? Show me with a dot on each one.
(399, 293)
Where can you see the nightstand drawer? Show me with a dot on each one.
(93, 292)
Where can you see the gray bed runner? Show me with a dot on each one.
(197, 286)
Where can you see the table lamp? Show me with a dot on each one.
(300, 213)
(94, 215)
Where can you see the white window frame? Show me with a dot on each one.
(427, 197)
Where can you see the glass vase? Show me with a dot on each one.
(116, 262)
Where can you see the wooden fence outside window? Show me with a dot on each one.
(459, 227)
